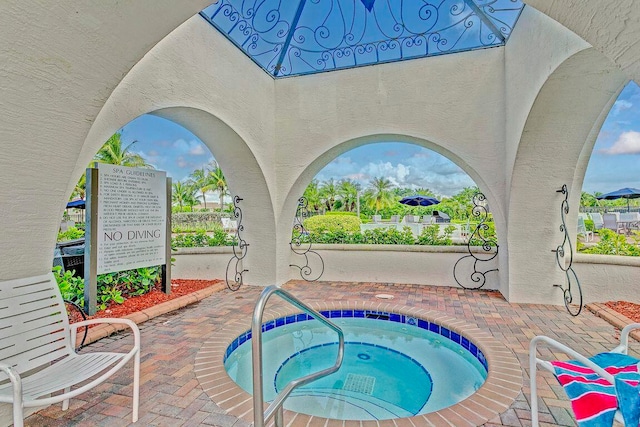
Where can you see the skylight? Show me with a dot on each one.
(295, 37)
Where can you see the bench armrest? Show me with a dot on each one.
(16, 382)
(624, 337)
(134, 328)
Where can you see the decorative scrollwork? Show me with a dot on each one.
(301, 245)
(569, 292)
(298, 37)
(239, 250)
(479, 237)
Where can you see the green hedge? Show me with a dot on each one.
(201, 239)
(332, 223)
(382, 236)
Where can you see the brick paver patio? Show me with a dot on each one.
(171, 395)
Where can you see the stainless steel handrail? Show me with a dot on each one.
(260, 416)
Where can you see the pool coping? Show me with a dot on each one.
(502, 386)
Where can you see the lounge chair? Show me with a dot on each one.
(612, 222)
(229, 225)
(377, 219)
(582, 230)
(428, 219)
(394, 219)
(601, 387)
(598, 222)
(408, 219)
(630, 221)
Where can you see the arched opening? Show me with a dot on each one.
(609, 218)
(365, 194)
(201, 214)
(376, 184)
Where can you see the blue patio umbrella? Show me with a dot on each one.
(80, 204)
(623, 193)
(419, 200)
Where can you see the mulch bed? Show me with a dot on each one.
(179, 287)
(628, 309)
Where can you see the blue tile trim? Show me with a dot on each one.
(371, 314)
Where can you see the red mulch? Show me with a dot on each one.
(179, 287)
(628, 309)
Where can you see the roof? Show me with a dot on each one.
(296, 37)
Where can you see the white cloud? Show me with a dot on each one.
(620, 106)
(424, 169)
(627, 143)
(191, 148)
(197, 150)
(181, 162)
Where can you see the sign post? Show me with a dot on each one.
(127, 223)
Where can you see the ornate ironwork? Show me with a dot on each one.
(306, 36)
(239, 250)
(301, 245)
(571, 276)
(479, 237)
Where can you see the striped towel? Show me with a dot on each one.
(594, 399)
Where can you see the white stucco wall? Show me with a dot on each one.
(520, 120)
(517, 119)
(571, 103)
(610, 26)
(58, 66)
(602, 277)
(198, 79)
(433, 102)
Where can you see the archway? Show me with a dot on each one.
(405, 216)
(561, 128)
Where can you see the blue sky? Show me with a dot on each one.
(614, 163)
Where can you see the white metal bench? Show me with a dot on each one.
(35, 335)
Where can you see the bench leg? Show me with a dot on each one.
(18, 414)
(136, 386)
(65, 403)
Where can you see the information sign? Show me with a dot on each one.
(131, 218)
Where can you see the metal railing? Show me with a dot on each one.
(260, 416)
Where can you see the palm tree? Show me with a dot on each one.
(312, 194)
(113, 153)
(348, 192)
(80, 190)
(379, 195)
(328, 193)
(199, 179)
(183, 194)
(216, 181)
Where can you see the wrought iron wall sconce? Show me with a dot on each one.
(572, 285)
(478, 278)
(239, 251)
(301, 245)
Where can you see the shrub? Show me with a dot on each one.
(588, 223)
(389, 236)
(332, 223)
(431, 236)
(612, 243)
(112, 287)
(201, 239)
(71, 234)
(71, 287)
(487, 232)
(331, 213)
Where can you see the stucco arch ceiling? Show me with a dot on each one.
(297, 37)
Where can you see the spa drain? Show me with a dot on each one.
(359, 383)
